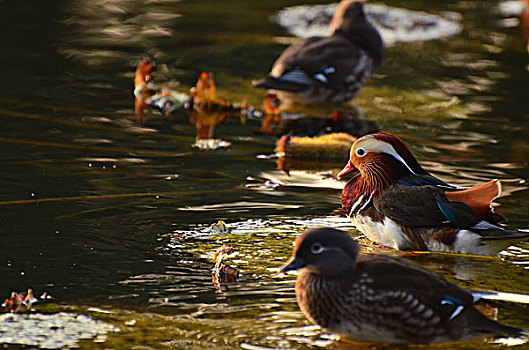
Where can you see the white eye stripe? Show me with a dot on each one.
(377, 146)
(393, 153)
(317, 248)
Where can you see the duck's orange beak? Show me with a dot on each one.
(348, 169)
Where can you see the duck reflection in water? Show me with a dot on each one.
(205, 123)
(222, 273)
(349, 119)
(313, 142)
(149, 96)
(207, 110)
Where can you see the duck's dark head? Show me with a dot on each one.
(381, 158)
(350, 21)
(326, 252)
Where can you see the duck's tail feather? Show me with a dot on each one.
(484, 325)
(489, 295)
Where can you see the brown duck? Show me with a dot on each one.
(378, 298)
(329, 69)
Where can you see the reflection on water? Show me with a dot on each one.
(324, 120)
(100, 30)
(112, 218)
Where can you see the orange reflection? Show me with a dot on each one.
(271, 113)
(206, 121)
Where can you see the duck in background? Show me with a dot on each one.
(143, 86)
(149, 95)
(395, 202)
(378, 298)
(329, 69)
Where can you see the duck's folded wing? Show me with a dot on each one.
(312, 62)
(422, 206)
(420, 297)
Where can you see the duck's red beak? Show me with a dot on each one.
(348, 169)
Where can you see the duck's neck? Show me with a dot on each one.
(362, 189)
(138, 79)
(365, 36)
(315, 295)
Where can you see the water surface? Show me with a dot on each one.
(141, 251)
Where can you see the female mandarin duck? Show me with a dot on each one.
(380, 298)
(329, 69)
(395, 202)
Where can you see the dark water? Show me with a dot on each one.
(142, 250)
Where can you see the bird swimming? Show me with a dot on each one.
(329, 69)
(395, 202)
(378, 298)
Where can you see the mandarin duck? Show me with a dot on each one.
(380, 298)
(149, 95)
(144, 88)
(329, 69)
(396, 203)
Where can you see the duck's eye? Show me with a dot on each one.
(361, 152)
(316, 248)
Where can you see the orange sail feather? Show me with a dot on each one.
(478, 198)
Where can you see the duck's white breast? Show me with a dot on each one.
(388, 232)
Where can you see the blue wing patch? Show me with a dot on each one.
(296, 76)
(458, 305)
(416, 182)
(448, 213)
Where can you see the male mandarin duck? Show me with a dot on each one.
(395, 202)
(143, 84)
(205, 92)
(149, 95)
(329, 69)
(379, 298)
